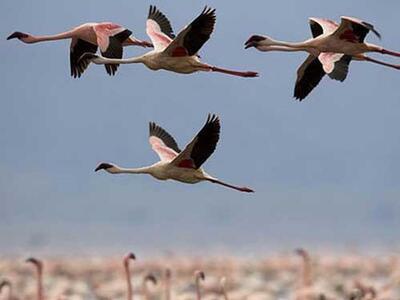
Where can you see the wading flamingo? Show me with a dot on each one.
(145, 290)
(39, 276)
(110, 37)
(331, 49)
(167, 284)
(127, 258)
(177, 54)
(7, 284)
(183, 166)
(198, 276)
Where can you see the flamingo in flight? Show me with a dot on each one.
(173, 53)
(85, 38)
(183, 166)
(331, 50)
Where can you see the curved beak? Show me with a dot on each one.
(17, 35)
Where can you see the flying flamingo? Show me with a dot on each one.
(110, 37)
(127, 258)
(177, 54)
(39, 276)
(183, 166)
(331, 49)
(199, 276)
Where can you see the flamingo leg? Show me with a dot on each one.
(397, 67)
(389, 52)
(231, 72)
(238, 188)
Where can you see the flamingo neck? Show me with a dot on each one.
(40, 295)
(42, 38)
(118, 170)
(198, 294)
(128, 281)
(167, 287)
(288, 46)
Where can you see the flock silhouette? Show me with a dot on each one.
(331, 50)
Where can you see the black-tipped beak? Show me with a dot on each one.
(17, 35)
(131, 256)
(103, 166)
(202, 275)
(253, 41)
(249, 44)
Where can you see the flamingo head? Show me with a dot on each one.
(129, 256)
(110, 168)
(199, 275)
(4, 283)
(152, 278)
(257, 41)
(24, 37)
(36, 262)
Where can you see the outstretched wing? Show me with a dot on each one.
(77, 49)
(193, 37)
(201, 147)
(162, 143)
(159, 29)
(309, 75)
(110, 38)
(322, 26)
(354, 30)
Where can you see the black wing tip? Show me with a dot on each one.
(213, 118)
(372, 28)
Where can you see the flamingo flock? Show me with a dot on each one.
(330, 51)
(348, 277)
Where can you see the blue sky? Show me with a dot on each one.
(326, 171)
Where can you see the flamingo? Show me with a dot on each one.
(127, 258)
(331, 50)
(148, 278)
(167, 284)
(222, 283)
(183, 166)
(7, 284)
(177, 54)
(199, 276)
(110, 37)
(39, 276)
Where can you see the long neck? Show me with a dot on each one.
(40, 295)
(129, 295)
(198, 294)
(167, 286)
(60, 36)
(145, 290)
(115, 61)
(306, 276)
(118, 170)
(302, 46)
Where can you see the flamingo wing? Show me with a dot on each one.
(162, 143)
(77, 49)
(321, 26)
(336, 65)
(193, 37)
(201, 147)
(159, 29)
(354, 30)
(110, 38)
(309, 75)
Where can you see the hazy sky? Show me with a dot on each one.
(326, 171)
